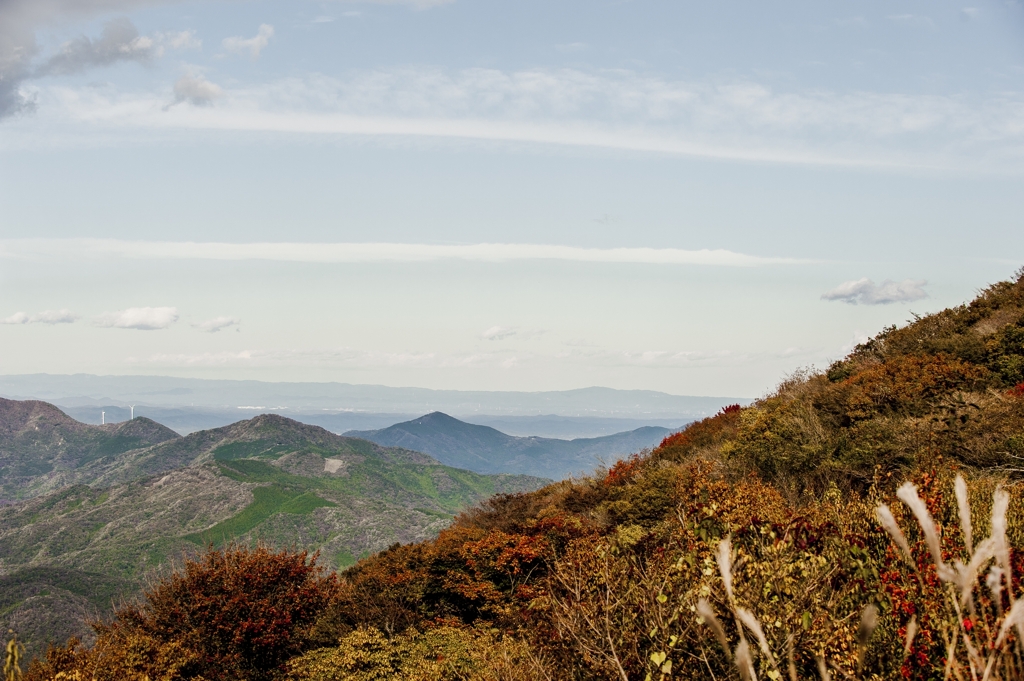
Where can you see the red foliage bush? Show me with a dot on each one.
(241, 609)
(624, 469)
(701, 433)
(1016, 391)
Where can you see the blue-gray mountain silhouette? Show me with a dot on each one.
(486, 450)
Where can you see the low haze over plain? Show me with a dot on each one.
(689, 197)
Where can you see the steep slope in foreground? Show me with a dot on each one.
(602, 577)
(486, 450)
(758, 527)
(42, 448)
(268, 478)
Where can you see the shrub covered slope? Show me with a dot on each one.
(774, 541)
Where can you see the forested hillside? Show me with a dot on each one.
(863, 522)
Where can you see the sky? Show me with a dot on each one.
(697, 198)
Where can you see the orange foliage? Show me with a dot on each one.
(907, 383)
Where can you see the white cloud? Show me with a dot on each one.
(142, 318)
(253, 45)
(195, 90)
(17, 318)
(323, 19)
(217, 323)
(969, 13)
(866, 292)
(51, 317)
(497, 333)
(63, 316)
(376, 252)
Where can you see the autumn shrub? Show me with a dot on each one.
(625, 604)
(233, 613)
(439, 653)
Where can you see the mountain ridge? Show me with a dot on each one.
(122, 515)
(165, 390)
(488, 450)
(42, 448)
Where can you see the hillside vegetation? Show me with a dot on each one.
(864, 522)
(65, 556)
(43, 449)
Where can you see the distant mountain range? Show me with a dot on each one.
(89, 511)
(83, 389)
(487, 450)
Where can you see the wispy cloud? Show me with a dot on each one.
(180, 40)
(216, 324)
(607, 109)
(500, 333)
(679, 359)
(141, 318)
(376, 252)
(119, 41)
(332, 357)
(501, 359)
(866, 292)
(45, 317)
(912, 19)
(415, 4)
(254, 45)
(571, 47)
(497, 333)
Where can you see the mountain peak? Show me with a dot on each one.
(17, 416)
(486, 450)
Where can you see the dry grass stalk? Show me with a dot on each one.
(981, 641)
(12, 660)
(976, 648)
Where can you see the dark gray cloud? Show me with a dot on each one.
(866, 292)
(19, 20)
(119, 41)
